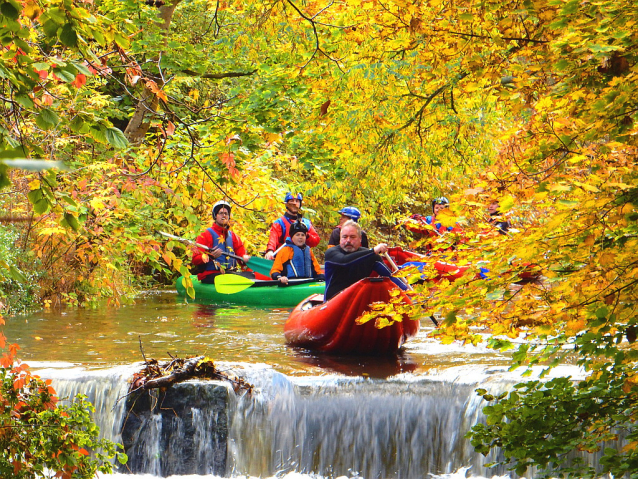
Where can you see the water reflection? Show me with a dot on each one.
(162, 323)
(377, 368)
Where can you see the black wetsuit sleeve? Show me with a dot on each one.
(344, 269)
(340, 257)
(334, 237)
(364, 240)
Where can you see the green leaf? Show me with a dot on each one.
(68, 36)
(41, 206)
(80, 67)
(34, 196)
(78, 125)
(64, 74)
(41, 66)
(115, 138)
(47, 119)
(98, 134)
(50, 28)
(71, 221)
(450, 318)
(9, 11)
(16, 274)
(24, 101)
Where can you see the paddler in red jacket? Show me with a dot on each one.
(220, 240)
(279, 229)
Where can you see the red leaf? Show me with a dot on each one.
(80, 80)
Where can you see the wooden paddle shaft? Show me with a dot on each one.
(396, 268)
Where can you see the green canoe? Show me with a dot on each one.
(262, 293)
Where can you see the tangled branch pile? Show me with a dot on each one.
(163, 375)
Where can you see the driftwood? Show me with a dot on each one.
(156, 375)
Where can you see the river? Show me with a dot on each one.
(310, 416)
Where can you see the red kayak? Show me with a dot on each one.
(449, 271)
(330, 327)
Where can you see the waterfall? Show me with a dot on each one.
(404, 427)
(400, 428)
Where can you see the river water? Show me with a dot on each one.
(311, 416)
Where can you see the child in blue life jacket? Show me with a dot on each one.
(296, 259)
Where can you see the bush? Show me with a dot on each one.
(39, 438)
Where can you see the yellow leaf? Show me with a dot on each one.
(560, 187)
(96, 203)
(587, 187)
(607, 259)
(446, 218)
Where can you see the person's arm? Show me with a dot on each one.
(200, 256)
(338, 256)
(278, 266)
(273, 240)
(334, 238)
(238, 245)
(312, 238)
(316, 268)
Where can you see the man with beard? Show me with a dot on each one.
(349, 262)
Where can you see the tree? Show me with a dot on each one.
(382, 104)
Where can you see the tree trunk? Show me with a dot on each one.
(147, 105)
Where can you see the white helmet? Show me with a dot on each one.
(219, 205)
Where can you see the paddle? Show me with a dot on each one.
(396, 268)
(234, 283)
(260, 265)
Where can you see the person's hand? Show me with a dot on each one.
(283, 280)
(381, 248)
(216, 253)
(246, 258)
(269, 255)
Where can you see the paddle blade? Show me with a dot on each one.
(232, 283)
(260, 265)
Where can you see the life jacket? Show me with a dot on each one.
(227, 246)
(300, 266)
(439, 227)
(285, 226)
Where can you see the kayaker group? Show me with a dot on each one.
(292, 237)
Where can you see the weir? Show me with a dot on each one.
(403, 427)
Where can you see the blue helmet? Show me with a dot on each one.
(351, 212)
(289, 197)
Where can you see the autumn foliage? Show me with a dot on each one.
(159, 110)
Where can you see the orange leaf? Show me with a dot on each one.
(80, 80)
